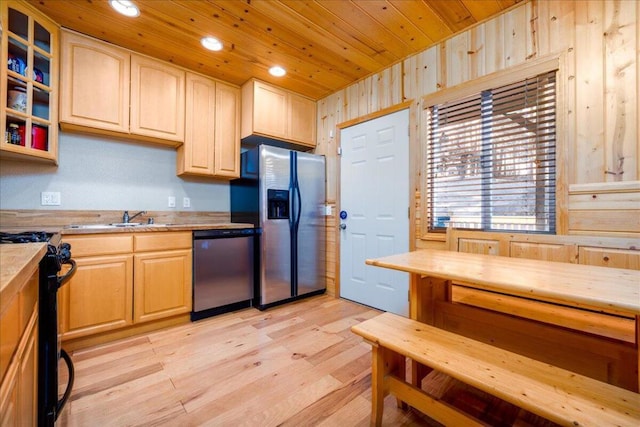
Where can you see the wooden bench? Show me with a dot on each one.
(556, 394)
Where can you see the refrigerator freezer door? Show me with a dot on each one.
(311, 229)
(275, 264)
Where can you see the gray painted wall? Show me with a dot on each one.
(98, 173)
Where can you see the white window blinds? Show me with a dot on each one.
(491, 159)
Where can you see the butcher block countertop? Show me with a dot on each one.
(17, 263)
(144, 228)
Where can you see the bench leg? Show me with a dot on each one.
(384, 362)
(402, 373)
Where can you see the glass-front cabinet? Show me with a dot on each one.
(29, 83)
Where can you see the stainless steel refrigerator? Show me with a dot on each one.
(282, 193)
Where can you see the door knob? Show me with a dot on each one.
(343, 226)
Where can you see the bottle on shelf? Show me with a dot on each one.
(14, 134)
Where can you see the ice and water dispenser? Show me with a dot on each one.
(277, 204)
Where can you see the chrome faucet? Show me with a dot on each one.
(126, 218)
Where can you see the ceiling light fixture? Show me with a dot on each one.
(211, 43)
(125, 7)
(277, 71)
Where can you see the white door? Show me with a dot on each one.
(374, 201)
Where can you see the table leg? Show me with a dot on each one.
(423, 293)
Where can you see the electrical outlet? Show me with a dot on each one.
(50, 198)
(171, 202)
(186, 202)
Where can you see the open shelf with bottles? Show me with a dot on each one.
(29, 116)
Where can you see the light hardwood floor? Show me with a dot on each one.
(293, 365)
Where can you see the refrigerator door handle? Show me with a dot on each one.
(298, 211)
(292, 188)
(293, 225)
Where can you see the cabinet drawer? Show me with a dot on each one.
(28, 300)
(145, 242)
(100, 244)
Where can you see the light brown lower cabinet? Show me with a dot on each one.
(99, 297)
(162, 285)
(125, 279)
(19, 387)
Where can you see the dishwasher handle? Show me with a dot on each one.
(223, 233)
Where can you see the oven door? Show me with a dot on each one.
(49, 351)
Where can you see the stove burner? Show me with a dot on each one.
(25, 237)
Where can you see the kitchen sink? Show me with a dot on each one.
(114, 225)
(87, 226)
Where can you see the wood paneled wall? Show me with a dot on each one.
(600, 43)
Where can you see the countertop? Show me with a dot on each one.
(20, 260)
(144, 228)
(17, 263)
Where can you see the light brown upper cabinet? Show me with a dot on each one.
(157, 99)
(272, 112)
(28, 83)
(212, 129)
(109, 90)
(95, 83)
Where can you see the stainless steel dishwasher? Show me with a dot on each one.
(223, 271)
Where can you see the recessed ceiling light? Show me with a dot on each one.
(125, 7)
(277, 71)
(211, 43)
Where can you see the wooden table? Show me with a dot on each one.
(587, 287)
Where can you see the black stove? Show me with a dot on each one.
(49, 349)
(26, 237)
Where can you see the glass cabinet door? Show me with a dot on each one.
(29, 83)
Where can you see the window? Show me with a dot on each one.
(491, 159)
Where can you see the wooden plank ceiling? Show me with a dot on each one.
(325, 45)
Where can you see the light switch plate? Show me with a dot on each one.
(186, 202)
(171, 201)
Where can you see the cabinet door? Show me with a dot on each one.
(302, 120)
(157, 99)
(9, 404)
(94, 84)
(98, 297)
(196, 155)
(28, 83)
(19, 389)
(162, 284)
(270, 110)
(28, 377)
(227, 131)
